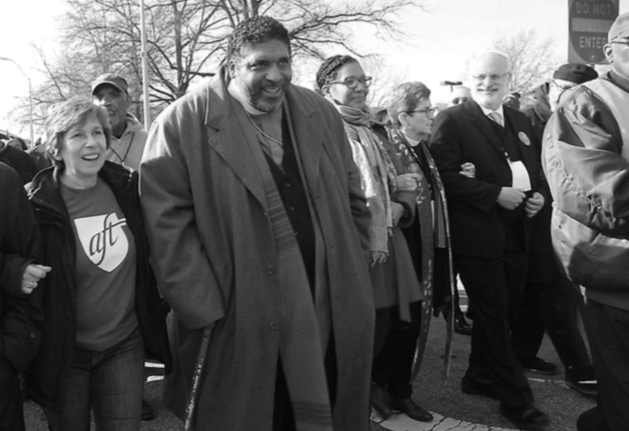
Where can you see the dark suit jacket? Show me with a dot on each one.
(463, 134)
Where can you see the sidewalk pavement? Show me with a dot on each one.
(454, 411)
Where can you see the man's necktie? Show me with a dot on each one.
(496, 117)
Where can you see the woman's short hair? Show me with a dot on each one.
(328, 70)
(404, 98)
(65, 115)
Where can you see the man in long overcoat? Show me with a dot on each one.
(237, 179)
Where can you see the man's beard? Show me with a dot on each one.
(257, 101)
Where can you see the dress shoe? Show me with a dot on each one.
(592, 420)
(461, 326)
(475, 387)
(412, 409)
(381, 400)
(147, 411)
(582, 380)
(538, 365)
(526, 417)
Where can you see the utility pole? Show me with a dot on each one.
(145, 71)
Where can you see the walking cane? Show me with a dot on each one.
(196, 378)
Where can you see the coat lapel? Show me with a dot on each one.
(227, 138)
(481, 121)
(308, 133)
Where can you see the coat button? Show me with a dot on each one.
(291, 208)
(270, 270)
(287, 184)
(33, 336)
(272, 325)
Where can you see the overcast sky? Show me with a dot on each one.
(439, 42)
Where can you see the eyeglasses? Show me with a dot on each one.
(432, 110)
(492, 76)
(352, 82)
(621, 42)
(563, 87)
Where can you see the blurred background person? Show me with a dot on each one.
(512, 100)
(18, 160)
(391, 197)
(565, 78)
(101, 304)
(128, 136)
(458, 95)
(539, 112)
(21, 314)
(546, 299)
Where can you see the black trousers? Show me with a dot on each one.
(608, 331)
(392, 364)
(11, 411)
(494, 287)
(283, 415)
(545, 307)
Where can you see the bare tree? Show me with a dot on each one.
(187, 39)
(532, 60)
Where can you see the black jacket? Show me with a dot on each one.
(53, 361)
(21, 315)
(20, 161)
(461, 134)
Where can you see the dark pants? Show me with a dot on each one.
(283, 415)
(392, 365)
(11, 413)
(109, 382)
(545, 307)
(608, 332)
(494, 286)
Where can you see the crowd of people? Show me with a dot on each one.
(281, 251)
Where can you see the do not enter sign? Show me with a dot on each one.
(590, 21)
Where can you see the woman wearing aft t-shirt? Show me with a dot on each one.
(102, 310)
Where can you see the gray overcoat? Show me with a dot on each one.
(213, 252)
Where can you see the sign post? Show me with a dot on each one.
(589, 22)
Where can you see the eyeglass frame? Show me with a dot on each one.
(365, 81)
(431, 109)
(562, 87)
(620, 42)
(491, 76)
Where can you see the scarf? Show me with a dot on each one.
(378, 177)
(437, 236)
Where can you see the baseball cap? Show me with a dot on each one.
(575, 72)
(620, 28)
(111, 79)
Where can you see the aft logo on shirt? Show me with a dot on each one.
(103, 240)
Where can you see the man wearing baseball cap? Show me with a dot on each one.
(586, 160)
(565, 78)
(128, 136)
(546, 300)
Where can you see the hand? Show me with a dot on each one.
(377, 257)
(408, 182)
(468, 170)
(32, 274)
(509, 198)
(534, 204)
(397, 212)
